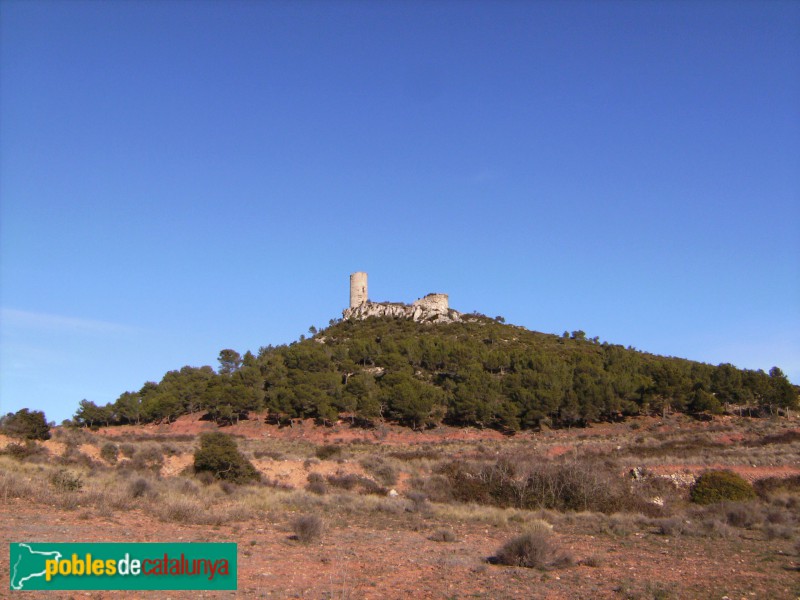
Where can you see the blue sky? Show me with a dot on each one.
(181, 177)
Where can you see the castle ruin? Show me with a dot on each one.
(438, 302)
(358, 289)
(432, 308)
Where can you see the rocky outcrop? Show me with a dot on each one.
(421, 313)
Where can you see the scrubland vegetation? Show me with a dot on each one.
(541, 500)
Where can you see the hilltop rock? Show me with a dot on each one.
(418, 312)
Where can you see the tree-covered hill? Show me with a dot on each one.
(481, 372)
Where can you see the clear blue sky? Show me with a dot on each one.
(181, 177)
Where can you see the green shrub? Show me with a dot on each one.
(219, 455)
(721, 486)
(26, 425)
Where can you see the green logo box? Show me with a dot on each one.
(121, 566)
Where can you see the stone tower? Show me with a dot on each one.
(358, 289)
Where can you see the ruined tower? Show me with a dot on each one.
(358, 289)
(436, 302)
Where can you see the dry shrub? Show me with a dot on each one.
(785, 437)
(377, 467)
(140, 487)
(557, 485)
(273, 454)
(316, 484)
(307, 528)
(772, 532)
(127, 450)
(533, 549)
(72, 436)
(66, 481)
(637, 590)
(183, 485)
(713, 528)
(391, 506)
(777, 516)
(426, 454)
(184, 509)
(109, 452)
(228, 487)
(328, 451)
(68, 500)
(443, 535)
(16, 485)
(345, 482)
(436, 488)
(623, 524)
(28, 450)
(205, 477)
(158, 437)
(73, 456)
(595, 560)
(170, 449)
(351, 481)
(419, 501)
(650, 487)
(148, 457)
(672, 526)
(771, 487)
(740, 514)
(181, 510)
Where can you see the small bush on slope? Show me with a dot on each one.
(219, 455)
(721, 486)
(307, 528)
(533, 549)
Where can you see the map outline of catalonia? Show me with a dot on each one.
(20, 583)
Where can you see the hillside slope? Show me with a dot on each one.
(477, 372)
